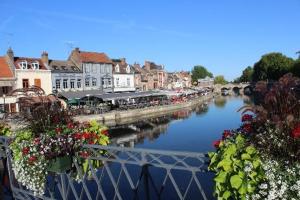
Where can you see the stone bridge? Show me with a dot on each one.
(234, 88)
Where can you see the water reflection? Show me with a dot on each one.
(220, 101)
(135, 133)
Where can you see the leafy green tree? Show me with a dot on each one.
(220, 80)
(246, 75)
(200, 72)
(296, 68)
(271, 66)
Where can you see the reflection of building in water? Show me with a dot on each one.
(130, 134)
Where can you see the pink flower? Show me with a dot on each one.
(70, 125)
(32, 159)
(25, 150)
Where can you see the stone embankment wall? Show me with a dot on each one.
(129, 115)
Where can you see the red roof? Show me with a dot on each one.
(5, 71)
(17, 60)
(94, 57)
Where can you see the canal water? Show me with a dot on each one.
(193, 129)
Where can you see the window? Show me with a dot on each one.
(87, 82)
(109, 81)
(23, 64)
(102, 81)
(128, 81)
(57, 83)
(35, 65)
(78, 83)
(65, 83)
(94, 82)
(4, 90)
(117, 82)
(87, 68)
(72, 83)
(37, 82)
(117, 68)
(25, 83)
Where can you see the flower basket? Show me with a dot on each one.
(60, 164)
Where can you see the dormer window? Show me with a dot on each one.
(64, 67)
(23, 64)
(117, 68)
(35, 65)
(128, 69)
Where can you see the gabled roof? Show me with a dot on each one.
(63, 66)
(17, 60)
(122, 67)
(5, 71)
(138, 69)
(94, 57)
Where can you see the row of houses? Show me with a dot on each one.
(82, 70)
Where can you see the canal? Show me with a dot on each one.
(193, 129)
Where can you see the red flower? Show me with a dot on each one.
(58, 130)
(70, 125)
(36, 141)
(104, 132)
(247, 118)
(247, 128)
(25, 150)
(84, 154)
(77, 136)
(91, 142)
(296, 131)
(32, 159)
(55, 119)
(217, 143)
(86, 135)
(226, 134)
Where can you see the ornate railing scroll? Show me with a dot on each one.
(113, 172)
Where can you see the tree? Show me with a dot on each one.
(246, 75)
(296, 68)
(271, 66)
(200, 72)
(220, 80)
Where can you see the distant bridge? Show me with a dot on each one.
(234, 88)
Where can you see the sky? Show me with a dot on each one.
(224, 36)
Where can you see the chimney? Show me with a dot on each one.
(45, 58)
(10, 54)
(147, 65)
(123, 61)
(77, 49)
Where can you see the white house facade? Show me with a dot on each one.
(123, 76)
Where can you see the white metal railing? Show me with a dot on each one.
(124, 173)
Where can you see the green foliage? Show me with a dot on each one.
(238, 168)
(296, 68)
(246, 75)
(200, 72)
(4, 130)
(220, 80)
(22, 136)
(271, 66)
